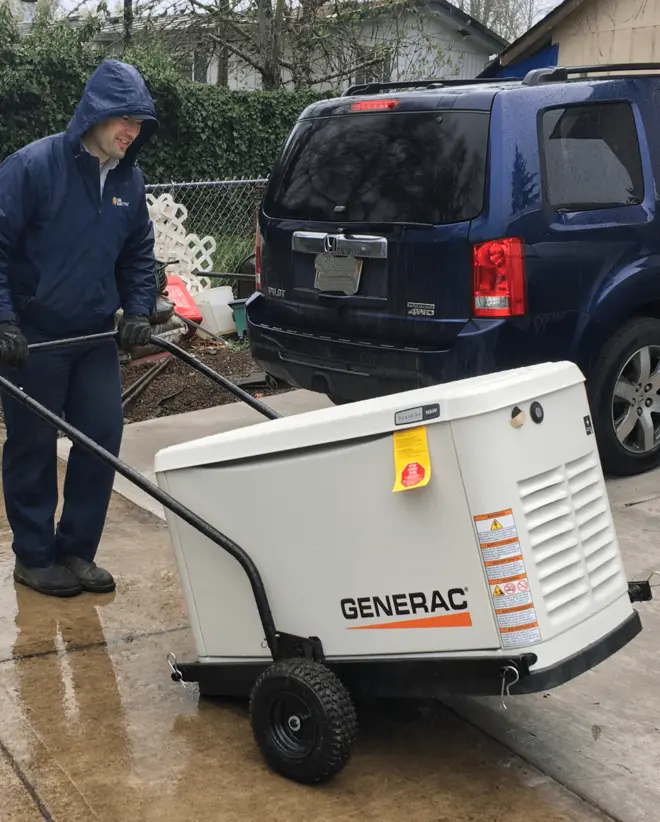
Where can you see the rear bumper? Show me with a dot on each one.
(357, 370)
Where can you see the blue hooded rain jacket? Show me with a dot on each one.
(69, 258)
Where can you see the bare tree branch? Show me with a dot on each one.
(316, 42)
(237, 52)
(344, 72)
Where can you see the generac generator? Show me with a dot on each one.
(452, 537)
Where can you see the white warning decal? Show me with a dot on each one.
(507, 576)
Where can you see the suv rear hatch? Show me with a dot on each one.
(366, 221)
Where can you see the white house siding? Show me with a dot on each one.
(463, 57)
(610, 31)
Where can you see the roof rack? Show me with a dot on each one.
(559, 74)
(375, 88)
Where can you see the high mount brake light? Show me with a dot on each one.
(499, 278)
(374, 105)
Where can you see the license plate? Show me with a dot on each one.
(337, 273)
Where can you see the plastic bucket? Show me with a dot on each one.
(215, 308)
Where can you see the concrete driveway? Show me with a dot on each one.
(92, 727)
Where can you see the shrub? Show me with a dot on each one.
(207, 133)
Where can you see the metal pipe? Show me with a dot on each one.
(180, 353)
(223, 382)
(173, 505)
(143, 382)
(204, 184)
(69, 341)
(193, 324)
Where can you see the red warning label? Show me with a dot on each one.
(412, 474)
(412, 461)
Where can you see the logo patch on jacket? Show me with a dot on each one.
(117, 201)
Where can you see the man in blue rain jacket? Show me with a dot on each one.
(76, 245)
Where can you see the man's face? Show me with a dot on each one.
(114, 136)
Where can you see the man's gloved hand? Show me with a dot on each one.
(163, 311)
(13, 346)
(134, 332)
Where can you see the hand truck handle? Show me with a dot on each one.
(175, 350)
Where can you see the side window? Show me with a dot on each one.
(591, 157)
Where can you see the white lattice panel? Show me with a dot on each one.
(172, 242)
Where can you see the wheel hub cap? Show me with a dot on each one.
(294, 729)
(636, 401)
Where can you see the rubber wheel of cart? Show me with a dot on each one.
(303, 720)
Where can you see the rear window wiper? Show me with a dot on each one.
(565, 207)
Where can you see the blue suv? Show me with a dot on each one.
(417, 233)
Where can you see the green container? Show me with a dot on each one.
(238, 308)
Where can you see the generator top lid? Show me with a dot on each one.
(437, 403)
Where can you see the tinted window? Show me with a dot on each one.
(383, 167)
(592, 157)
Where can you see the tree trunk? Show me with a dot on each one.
(271, 75)
(222, 55)
(128, 22)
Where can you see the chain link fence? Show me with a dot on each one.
(225, 210)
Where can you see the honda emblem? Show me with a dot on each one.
(330, 244)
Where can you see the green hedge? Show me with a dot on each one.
(207, 133)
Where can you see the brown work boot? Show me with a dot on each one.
(91, 577)
(53, 580)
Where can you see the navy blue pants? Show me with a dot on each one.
(84, 385)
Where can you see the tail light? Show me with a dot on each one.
(257, 261)
(499, 279)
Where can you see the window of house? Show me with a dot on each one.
(379, 71)
(591, 157)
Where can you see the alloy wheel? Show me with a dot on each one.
(636, 401)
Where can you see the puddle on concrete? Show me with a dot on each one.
(93, 728)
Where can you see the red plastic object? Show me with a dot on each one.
(184, 305)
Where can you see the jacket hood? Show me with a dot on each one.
(115, 89)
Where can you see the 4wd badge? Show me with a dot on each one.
(421, 309)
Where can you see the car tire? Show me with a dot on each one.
(624, 394)
(335, 399)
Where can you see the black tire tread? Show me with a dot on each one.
(341, 717)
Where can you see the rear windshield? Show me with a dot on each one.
(420, 167)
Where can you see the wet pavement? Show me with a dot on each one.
(92, 727)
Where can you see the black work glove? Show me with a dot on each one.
(134, 332)
(13, 346)
(163, 311)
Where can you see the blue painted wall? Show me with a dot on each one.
(547, 56)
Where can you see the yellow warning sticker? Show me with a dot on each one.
(412, 461)
(496, 526)
(497, 591)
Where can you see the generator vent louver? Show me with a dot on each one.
(571, 537)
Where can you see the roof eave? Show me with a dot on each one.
(493, 40)
(527, 42)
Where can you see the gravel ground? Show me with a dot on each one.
(179, 388)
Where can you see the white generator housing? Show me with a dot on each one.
(500, 540)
